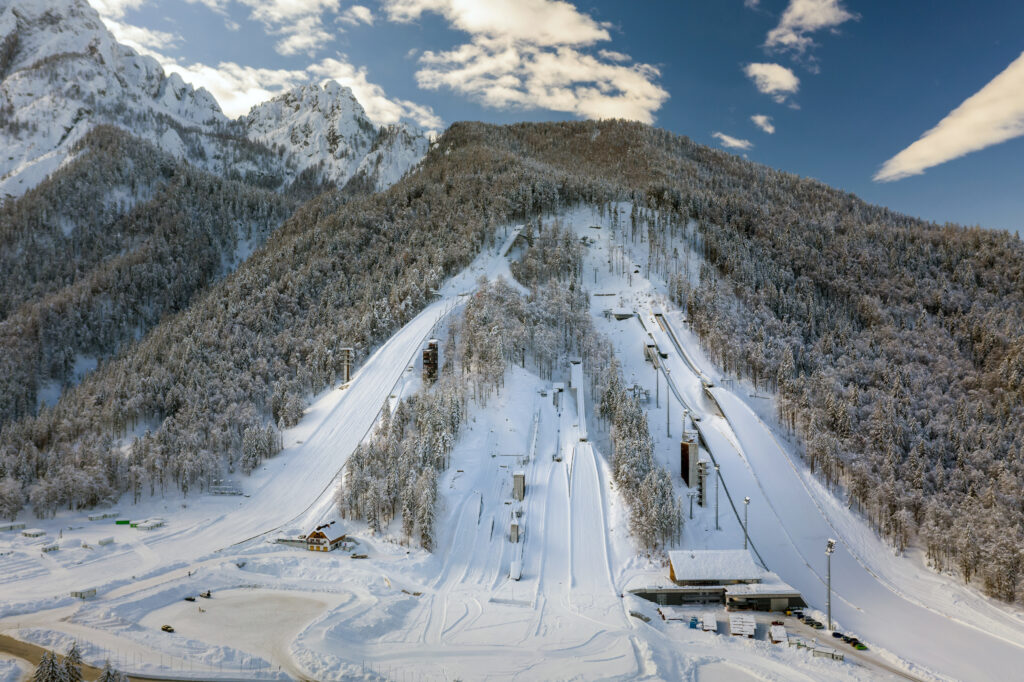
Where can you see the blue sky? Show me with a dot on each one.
(918, 106)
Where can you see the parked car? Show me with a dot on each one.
(167, 628)
(859, 646)
(190, 598)
(847, 638)
(777, 622)
(837, 635)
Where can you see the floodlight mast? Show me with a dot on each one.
(746, 511)
(718, 473)
(829, 548)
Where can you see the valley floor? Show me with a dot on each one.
(279, 611)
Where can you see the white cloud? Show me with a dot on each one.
(218, 6)
(503, 75)
(143, 40)
(526, 54)
(613, 56)
(730, 142)
(992, 115)
(802, 17)
(238, 88)
(752, 4)
(763, 122)
(773, 79)
(541, 22)
(299, 21)
(305, 35)
(115, 9)
(279, 12)
(357, 14)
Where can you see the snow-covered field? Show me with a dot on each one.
(279, 611)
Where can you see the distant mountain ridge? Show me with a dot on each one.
(62, 73)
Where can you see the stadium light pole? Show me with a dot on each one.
(746, 510)
(668, 407)
(718, 473)
(657, 389)
(829, 548)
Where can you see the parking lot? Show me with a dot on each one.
(795, 628)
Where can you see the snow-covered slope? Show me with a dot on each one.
(63, 73)
(397, 149)
(326, 127)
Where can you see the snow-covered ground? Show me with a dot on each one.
(930, 624)
(279, 611)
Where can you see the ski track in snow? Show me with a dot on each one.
(456, 612)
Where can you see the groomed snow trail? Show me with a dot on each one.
(590, 572)
(860, 601)
(791, 530)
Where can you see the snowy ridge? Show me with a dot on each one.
(63, 73)
(326, 127)
(315, 125)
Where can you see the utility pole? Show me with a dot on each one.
(657, 390)
(668, 407)
(718, 473)
(692, 494)
(746, 510)
(829, 548)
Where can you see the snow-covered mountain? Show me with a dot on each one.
(326, 126)
(62, 73)
(397, 148)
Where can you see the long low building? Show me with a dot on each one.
(729, 577)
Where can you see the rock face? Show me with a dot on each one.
(62, 73)
(325, 127)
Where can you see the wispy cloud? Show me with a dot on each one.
(803, 17)
(139, 38)
(115, 9)
(992, 115)
(357, 14)
(530, 54)
(730, 142)
(300, 22)
(238, 87)
(763, 122)
(541, 22)
(773, 79)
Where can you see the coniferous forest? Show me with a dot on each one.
(897, 359)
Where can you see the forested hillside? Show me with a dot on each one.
(97, 254)
(253, 347)
(896, 346)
